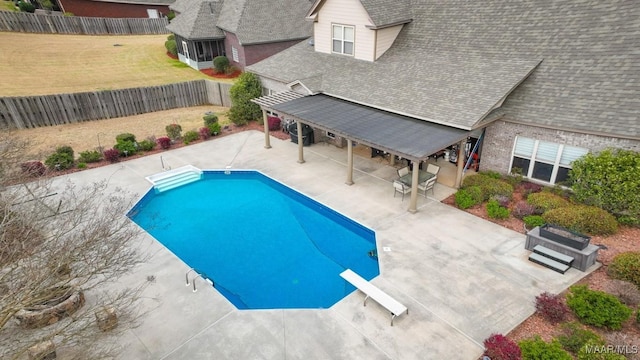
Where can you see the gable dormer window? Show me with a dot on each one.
(343, 36)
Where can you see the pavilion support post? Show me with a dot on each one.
(267, 140)
(413, 205)
(460, 163)
(392, 159)
(300, 143)
(349, 163)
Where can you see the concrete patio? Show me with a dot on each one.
(461, 277)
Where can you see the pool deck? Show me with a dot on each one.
(461, 277)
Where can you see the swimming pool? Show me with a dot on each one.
(263, 244)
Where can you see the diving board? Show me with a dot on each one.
(371, 291)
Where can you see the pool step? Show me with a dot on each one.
(174, 178)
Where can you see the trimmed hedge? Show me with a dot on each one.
(574, 337)
(538, 349)
(468, 197)
(495, 211)
(190, 136)
(490, 186)
(545, 201)
(626, 266)
(583, 219)
(597, 308)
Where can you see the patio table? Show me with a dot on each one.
(422, 177)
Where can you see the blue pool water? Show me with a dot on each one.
(264, 245)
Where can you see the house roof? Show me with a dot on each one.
(568, 65)
(401, 135)
(180, 5)
(140, 2)
(198, 21)
(256, 22)
(381, 12)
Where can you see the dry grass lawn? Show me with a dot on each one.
(86, 135)
(42, 64)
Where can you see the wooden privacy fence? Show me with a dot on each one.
(48, 110)
(51, 24)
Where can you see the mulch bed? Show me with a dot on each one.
(214, 74)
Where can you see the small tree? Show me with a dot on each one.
(609, 180)
(242, 110)
(221, 64)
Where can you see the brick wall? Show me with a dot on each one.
(111, 10)
(500, 137)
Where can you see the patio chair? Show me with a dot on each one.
(433, 169)
(401, 188)
(403, 171)
(427, 185)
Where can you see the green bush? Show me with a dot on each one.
(59, 161)
(174, 131)
(214, 129)
(26, 7)
(492, 174)
(574, 337)
(609, 180)
(126, 137)
(583, 219)
(626, 266)
(146, 145)
(466, 198)
(82, 165)
(532, 221)
(538, 349)
(190, 136)
(170, 16)
(489, 186)
(221, 64)
(210, 119)
(126, 148)
(597, 308)
(545, 201)
(90, 156)
(246, 87)
(171, 36)
(495, 211)
(65, 150)
(172, 47)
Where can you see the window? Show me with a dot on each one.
(543, 160)
(343, 39)
(234, 54)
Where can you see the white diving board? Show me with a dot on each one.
(371, 291)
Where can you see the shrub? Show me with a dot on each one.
(530, 188)
(112, 155)
(504, 201)
(551, 307)
(246, 87)
(221, 64)
(489, 186)
(499, 347)
(495, 211)
(537, 349)
(126, 137)
(90, 156)
(33, 168)
(174, 131)
(532, 221)
(26, 7)
(172, 47)
(126, 148)
(522, 209)
(626, 266)
(146, 145)
(170, 16)
(609, 180)
(82, 165)
(492, 174)
(171, 36)
(190, 136)
(468, 197)
(210, 119)
(574, 337)
(164, 142)
(583, 219)
(597, 308)
(214, 129)
(627, 292)
(65, 150)
(204, 133)
(273, 122)
(545, 201)
(59, 161)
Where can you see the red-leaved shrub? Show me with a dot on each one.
(551, 307)
(204, 132)
(499, 347)
(111, 155)
(164, 142)
(274, 123)
(33, 168)
(522, 209)
(529, 187)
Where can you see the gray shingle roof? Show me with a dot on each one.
(384, 12)
(457, 58)
(254, 21)
(141, 2)
(198, 21)
(180, 5)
